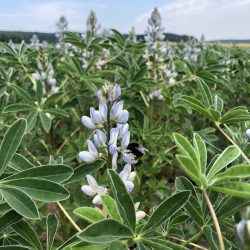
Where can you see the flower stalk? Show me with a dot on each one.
(215, 219)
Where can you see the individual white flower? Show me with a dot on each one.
(103, 109)
(114, 132)
(115, 93)
(87, 122)
(43, 75)
(128, 177)
(52, 81)
(36, 76)
(95, 116)
(118, 114)
(99, 95)
(123, 128)
(127, 156)
(91, 155)
(100, 138)
(54, 89)
(138, 213)
(93, 189)
(248, 133)
(114, 160)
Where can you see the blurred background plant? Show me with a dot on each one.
(53, 86)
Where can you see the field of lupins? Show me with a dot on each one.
(112, 143)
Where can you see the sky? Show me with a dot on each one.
(216, 19)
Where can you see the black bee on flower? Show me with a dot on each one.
(136, 150)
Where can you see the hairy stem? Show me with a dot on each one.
(109, 162)
(232, 141)
(191, 244)
(68, 216)
(193, 238)
(216, 222)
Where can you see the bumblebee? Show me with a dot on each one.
(136, 150)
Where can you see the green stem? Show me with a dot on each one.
(109, 162)
(191, 244)
(182, 81)
(68, 216)
(66, 140)
(232, 141)
(193, 238)
(216, 222)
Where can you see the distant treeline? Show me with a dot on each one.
(18, 36)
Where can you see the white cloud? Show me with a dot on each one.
(215, 18)
(43, 16)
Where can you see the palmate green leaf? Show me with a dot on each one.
(89, 214)
(111, 207)
(162, 244)
(14, 247)
(19, 163)
(45, 120)
(233, 188)
(201, 152)
(190, 168)
(226, 157)
(178, 219)
(67, 244)
(57, 112)
(4, 208)
(9, 218)
(205, 92)
(52, 225)
(54, 173)
(229, 206)
(105, 231)
(117, 245)
(196, 105)
(42, 190)
(236, 114)
(186, 148)
(234, 172)
(218, 103)
(53, 98)
(24, 94)
(39, 91)
(214, 113)
(20, 202)
(123, 200)
(83, 245)
(182, 183)
(10, 142)
(17, 107)
(24, 229)
(84, 169)
(165, 210)
(31, 121)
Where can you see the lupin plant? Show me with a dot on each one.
(117, 222)
(34, 42)
(191, 50)
(92, 25)
(110, 126)
(61, 28)
(45, 73)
